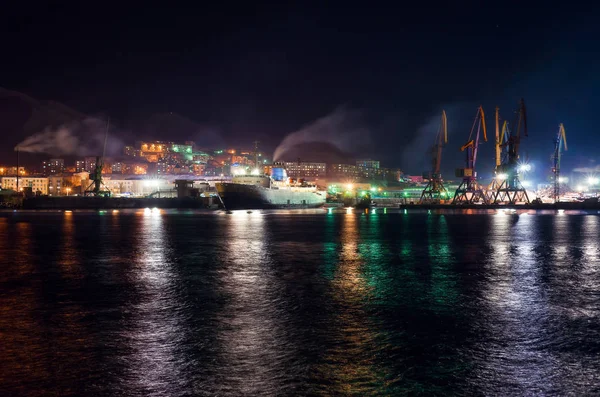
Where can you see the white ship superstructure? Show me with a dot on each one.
(269, 191)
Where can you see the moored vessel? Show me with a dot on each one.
(269, 192)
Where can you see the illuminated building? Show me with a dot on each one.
(138, 187)
(37, 184)
(139, 168)
(118, 167)
(162, 167)
(12, 170)
(153, 151)
(201, 157)
(90, 164)
(241, 160)
(368, 164)
(198, 169)
(303, 170)
(186, 150)
(343, 171)
(53, 166)
(64, 185)
(132, 151)
(80, 166)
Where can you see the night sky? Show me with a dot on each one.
(246, 72)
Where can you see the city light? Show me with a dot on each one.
(563, 179)
(350, 186)
(579, 188)
(524, 167)
(526, 183)
(501, 176)
(255, 171)
(592, 180)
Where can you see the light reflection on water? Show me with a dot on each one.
(155, 329)
(299, 303)
(349, 363)
(250, 335)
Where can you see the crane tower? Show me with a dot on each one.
(500, 155)
(95, 188)
(435, 191)
(469, 191)
(509, 188)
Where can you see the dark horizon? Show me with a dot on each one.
(377, 77)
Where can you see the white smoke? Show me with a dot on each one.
(416, 155)
(342, 128)
(588, 170)
(81, 138)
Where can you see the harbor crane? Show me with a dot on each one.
(469, 191)
(510, 189)
(435, 191)
(95, 188)
(559, 142)
(500, 155)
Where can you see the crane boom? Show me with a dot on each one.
(498, 149)
(563, 133)
(435, 191)
(559, 142)
(442, 139)
(506, 186)
(521, 124)
(469, 191)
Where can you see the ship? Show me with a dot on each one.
(274, 191)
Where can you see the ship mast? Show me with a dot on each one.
(256, 155)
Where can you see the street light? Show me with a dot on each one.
(592, 180)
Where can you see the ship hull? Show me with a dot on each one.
(240, 196)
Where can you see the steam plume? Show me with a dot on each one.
(416, 154)
(342, 128)
(588, 170)
(81, 138)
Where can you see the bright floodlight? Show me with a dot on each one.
(501, 176)
(563, 179)
(526, 183)
(349, 186)
(579, 188)
(524, 168)
(255, 171)
(592, 180)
